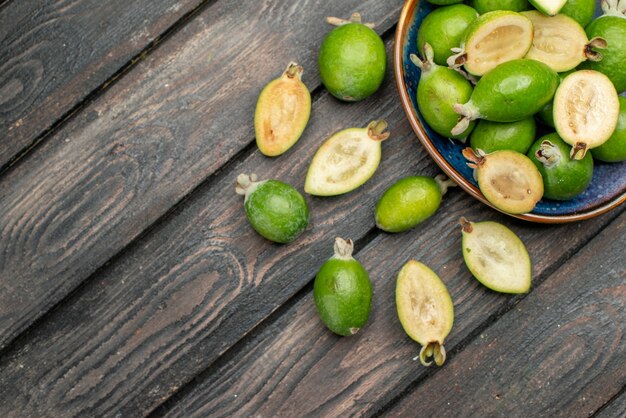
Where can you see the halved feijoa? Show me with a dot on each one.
(425, 310)
(612, 27)
(560, 42)
(512, 91)
(346, 160)
(342, 291)
(586, 109)
(496, 257)
(484, 6)
(507, 179)
(563, 178)
(492, 39)
(443, 29)
(282, 112)
(439, 89)
(614, 149)
(276, 210)
(549, 7)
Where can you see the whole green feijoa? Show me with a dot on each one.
(438, 90)
(579, 10)
(614, 149)
(493, 136)
(410, 201)
(444, 2)
(352, 60)
(274, 209)
(563, 178)
(512, 91)
(443, 29)
(484, 6)
(342, 291)
(611, 27)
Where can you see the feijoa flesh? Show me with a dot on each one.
(560, 42)
(586, 109)
(443, 29)
(492, 39)
(439, 89)
(342, 291)
(496, 257)
(494, 136)
(614, 149)
(410, 201)
(346, 160)
(507, 179)
(611, 27)
(563, 177)
(484, 6)
(282, 112)
(510, 92)
(425, 310)
(276, 210)
(352, 59)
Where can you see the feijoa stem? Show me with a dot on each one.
(343, 249)
(590, 49)
(376, 130)
(466, 225)
(428, 62)
(457, 59)
(355, 18)
(476, 158)
(245, 184)
(434, 350)
(614, 8)
(548, 154)
(468, 113)
(444, 183)
(578, 152)
(293, 71)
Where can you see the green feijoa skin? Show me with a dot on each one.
(493, 136)
(443, 29)
(276, 210)
(510, 92)
(410, 201)
(496, 257)
(579, 10)
(545, 115)
(352, 59)
(614, 149)
(444, 2)
(611, 27)
(563, 178)
(548, 7)
(438, 90)
(342, 291)
(484, 6)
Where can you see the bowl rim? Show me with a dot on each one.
(398, 67)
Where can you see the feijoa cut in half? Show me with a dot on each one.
(425, 310)
(549, 7)
(342, 291)
(276, 210)
(439, 89)
(560, 42)
(346, 160)
(586, 109)
(496, 257)
(492, 39)
(507, 179)
(282, 112)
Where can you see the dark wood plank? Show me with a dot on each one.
(615, 409)
(189, 289)
(295, 367)
(169, 124)
(560, 352)
(55, 53)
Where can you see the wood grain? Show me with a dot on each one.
(615, 409)
(163, 129)
(55, 53)
(294, 367)
(560, 352)
(192, 287)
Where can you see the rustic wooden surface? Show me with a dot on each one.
(131, 283)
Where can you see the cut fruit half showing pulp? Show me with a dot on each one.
(346, 160)
(492, 39)
(586, 110)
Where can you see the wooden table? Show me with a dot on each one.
(131, 283)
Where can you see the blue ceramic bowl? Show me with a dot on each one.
(608, 186)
